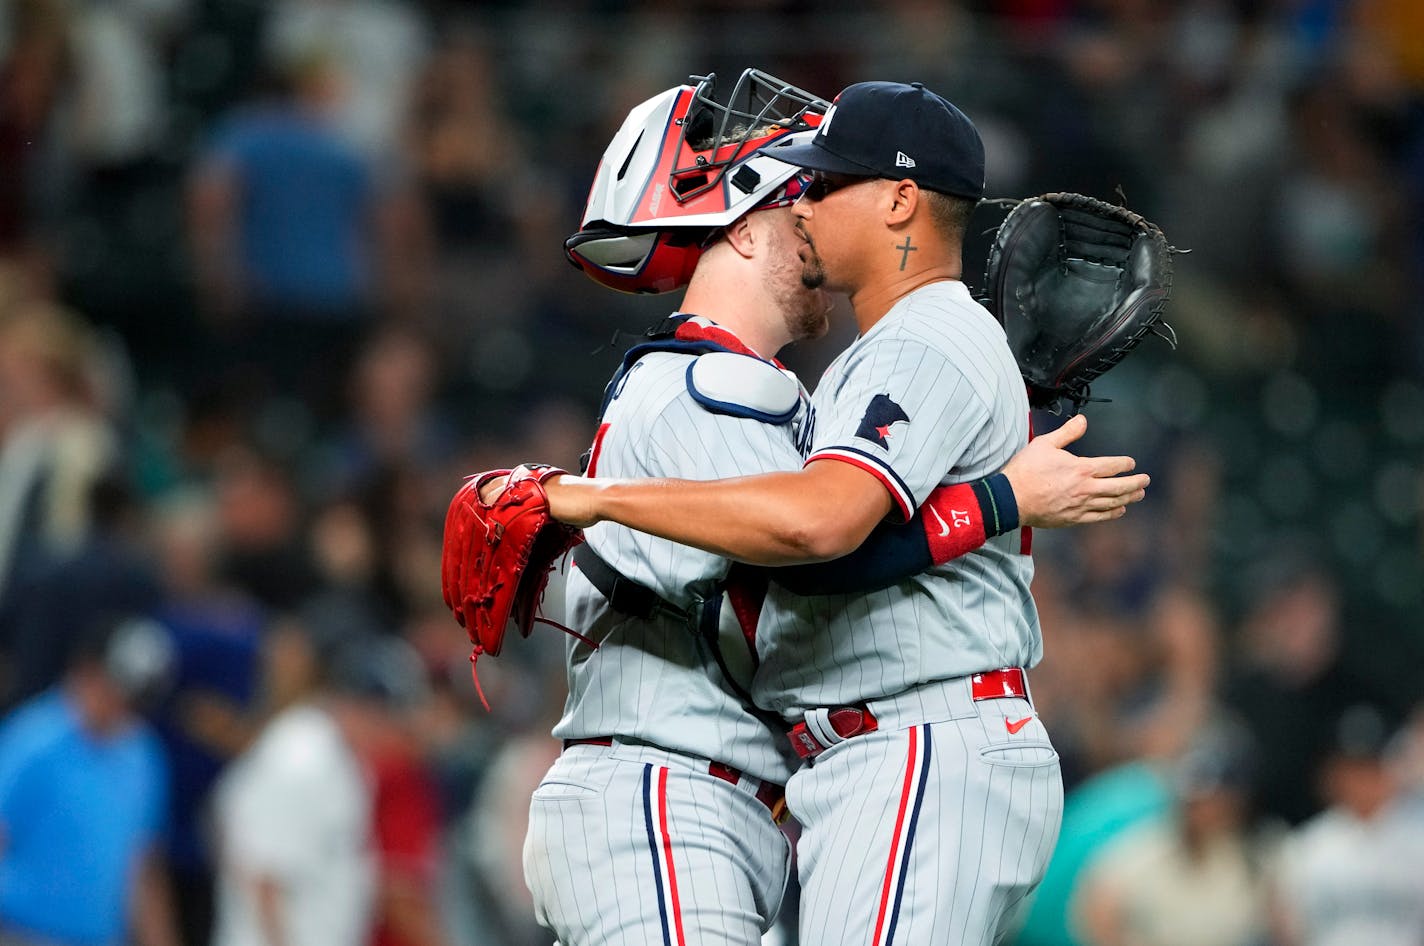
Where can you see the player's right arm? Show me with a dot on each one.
(827, 509)
(957, 519)
(815, 514)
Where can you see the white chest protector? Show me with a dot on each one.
(727, 382)
(726, 377)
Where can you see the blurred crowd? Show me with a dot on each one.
(276, 274)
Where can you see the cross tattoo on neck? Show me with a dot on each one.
(905, 250)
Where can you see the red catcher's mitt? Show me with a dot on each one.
(497, 556)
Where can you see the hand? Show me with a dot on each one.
(569, 497)
(492, 487)
(216, 722)
(1055, 488)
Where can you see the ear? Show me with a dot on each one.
(741, 236)
(905, 201)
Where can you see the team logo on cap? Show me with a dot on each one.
(903, 160)
(825, 125)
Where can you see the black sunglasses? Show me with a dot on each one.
(823, 185)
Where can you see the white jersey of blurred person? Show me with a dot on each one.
(297, 864)
(1354, 873)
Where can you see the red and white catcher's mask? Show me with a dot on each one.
(682, 167)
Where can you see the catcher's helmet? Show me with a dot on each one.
(682, 166)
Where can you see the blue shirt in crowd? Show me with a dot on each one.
(304, 206)
(217, 655)
(75, 816)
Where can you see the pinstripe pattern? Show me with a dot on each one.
(605, 824)
(943, 360)
(636, 845)
(953, 838)
(933, 828)
(653, 680)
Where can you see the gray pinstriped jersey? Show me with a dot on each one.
(654, 681)
(930, 395)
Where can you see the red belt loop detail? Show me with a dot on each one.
(1008, 683)
(845, 722)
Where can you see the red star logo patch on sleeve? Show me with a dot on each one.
(880, 415)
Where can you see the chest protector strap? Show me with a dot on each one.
(738, 381)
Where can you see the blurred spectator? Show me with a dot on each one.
(394, 419)
(119, 110)
(380, 683)
(376, 48)
(345, 550)
(1192, 878)
(264, 553)
(113, 173)
(286, 221)
(1355, 872)
(293, 812)
(216, 634)
(55, 444)
(83, 797)
(34, 64)
(1408, 761)
(1334, 232)
(109, 572)
(469, 158)
(67, 519)
(1131, 656)
(1289, 682)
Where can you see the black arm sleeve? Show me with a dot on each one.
(890, 554)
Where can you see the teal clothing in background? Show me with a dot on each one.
(1096, 811)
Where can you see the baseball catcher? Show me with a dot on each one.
(682, 168)
(1077, 283)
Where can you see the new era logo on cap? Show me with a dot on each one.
(929, 140)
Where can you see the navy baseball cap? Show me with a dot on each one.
(895, 131)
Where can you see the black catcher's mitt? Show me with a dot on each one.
(1077, 283)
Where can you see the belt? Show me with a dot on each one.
(770, 794)
(822, 728)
